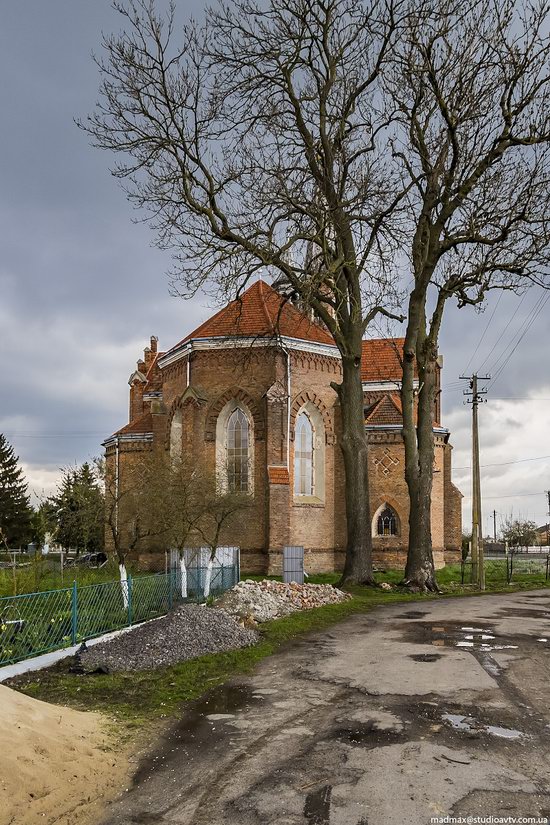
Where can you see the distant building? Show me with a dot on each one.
(249, 394)
(543, 534)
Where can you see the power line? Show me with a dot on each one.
(535, 312)
(511, 495)
(504, 463)
(506, 326)
(484, 331)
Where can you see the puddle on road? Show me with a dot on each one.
(425, 657)
(459, 722)
(317, 806)
(533, 612)
(471, 725)
(455, 634)
(369, 735)
(199, 727)
(412, 614)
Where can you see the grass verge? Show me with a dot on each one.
(133, 699)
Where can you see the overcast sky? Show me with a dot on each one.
(82, 289)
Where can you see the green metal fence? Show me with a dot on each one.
(512, 567)
(36, 623)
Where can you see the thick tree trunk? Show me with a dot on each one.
(358, 563)
(419, 446)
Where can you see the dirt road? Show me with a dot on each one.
(409, 712)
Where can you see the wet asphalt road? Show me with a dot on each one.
(410, 712)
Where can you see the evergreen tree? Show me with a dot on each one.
(79, 510)
(15, 510)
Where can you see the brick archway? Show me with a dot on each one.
(236, 394)
(300, 401)
(383, 501)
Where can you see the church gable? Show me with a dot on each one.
(386, 411)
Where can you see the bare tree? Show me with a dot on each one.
(221, 509)
(519, 533)
(470, 86)
(129, 503)
(177, 504)
(259, 140)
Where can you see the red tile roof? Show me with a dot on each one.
(260, 312)
(143, 424)
(381, 359)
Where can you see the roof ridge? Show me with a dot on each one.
(374, 407)
(396, 401)
(268, 317)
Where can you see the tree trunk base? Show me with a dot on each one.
(349, 578)
(421, 584)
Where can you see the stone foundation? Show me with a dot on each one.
(258, 562)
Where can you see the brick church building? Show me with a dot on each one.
(248, 394)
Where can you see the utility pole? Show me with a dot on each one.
(475, 397)
(495, 526)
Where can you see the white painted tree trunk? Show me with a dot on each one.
(124, 584)
(183, 573)
(208, 579)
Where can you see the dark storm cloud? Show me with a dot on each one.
(81, 289)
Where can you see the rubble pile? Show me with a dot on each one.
(187, 632)
(251, 601)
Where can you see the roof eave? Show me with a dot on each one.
(241, 342)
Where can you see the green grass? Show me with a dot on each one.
(43, 573)
(136, 698)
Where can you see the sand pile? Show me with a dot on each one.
(56, 764)
(252, 601)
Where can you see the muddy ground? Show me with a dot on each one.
(396, 716)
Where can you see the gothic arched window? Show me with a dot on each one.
(303, 456)
(386, 524)
(238, 442)
(176, 436)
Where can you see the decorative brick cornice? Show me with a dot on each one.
(236, 394)
(189, 398)
(315, 361)
(300, 401)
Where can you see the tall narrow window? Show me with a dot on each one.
(237, 452)
(303, 457)
(176, 436)
(387, 522)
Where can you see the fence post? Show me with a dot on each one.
(547, 560)
(170, 593)
(129, 586)
(74, 614)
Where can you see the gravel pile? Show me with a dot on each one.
(251, 601)
(187, 632)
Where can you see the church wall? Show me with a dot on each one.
(388, 486)
(276, 517)
(453, 513)
(213, 374)
(130, 455)
(318, 525)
